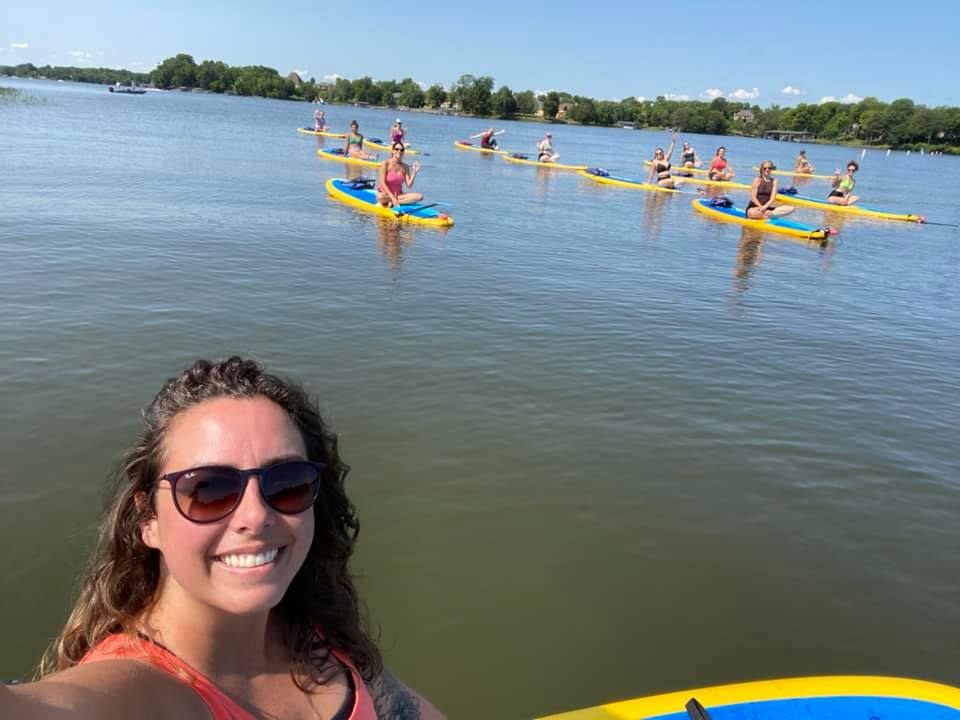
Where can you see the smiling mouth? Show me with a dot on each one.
(250, 560)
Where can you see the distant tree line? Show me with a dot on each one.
(103, 76)
(215, 76)
(900, 124)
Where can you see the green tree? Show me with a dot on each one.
(526, 103)
(436, 96)
(503, 103)
(411, 94)
(583, 110)
(474, 94)
(550, 103)
(177, 71)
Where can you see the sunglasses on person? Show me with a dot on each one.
(210, 493)
(769, 167)
(399, 150)
(851, 169)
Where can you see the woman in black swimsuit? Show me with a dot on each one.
(763, 191)
(660, 166)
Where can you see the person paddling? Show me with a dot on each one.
(842, 193)
(394, 173)
(488, 141)
(763, 191)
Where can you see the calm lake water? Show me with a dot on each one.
(601, 446)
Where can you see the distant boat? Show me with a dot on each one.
(126, 89)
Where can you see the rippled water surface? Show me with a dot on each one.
(601, 446)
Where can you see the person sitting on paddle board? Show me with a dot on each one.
(216, 592)
(660, 166)
(397, 133)
(353, 144)
(842, 193)
(763, 191)
(545, 153)
(319, 120)
(392, 176)
(688, 156)
(487, 139)
(802, 165)
(719, 167)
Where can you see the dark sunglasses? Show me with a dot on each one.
(210, 493)
(851, 169)
(399, 150)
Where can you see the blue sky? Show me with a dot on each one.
(759, 52)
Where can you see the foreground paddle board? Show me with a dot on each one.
(810, 698)
(321, 133)
(337, 155)
(782, 226)
(864, 210)
(525, 160)
(467, 145)
(365, 199)
(607, 179)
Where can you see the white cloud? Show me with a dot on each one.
(848, 99)
(742, 94)
(20, 46)
(301, 73)
(81, 55)
(712, 93)
(678, 97)
(791, 90)
(333, 77)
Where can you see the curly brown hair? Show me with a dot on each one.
(121, 580)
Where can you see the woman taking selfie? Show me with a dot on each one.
(220, 587)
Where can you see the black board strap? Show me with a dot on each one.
(696, 711)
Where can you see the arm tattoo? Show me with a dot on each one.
(393, 700)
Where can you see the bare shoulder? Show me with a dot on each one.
(395, 701)
(108, 690)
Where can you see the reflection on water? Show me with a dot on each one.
(653, 206)
(544, 179)
(749, 254)
(393, 238)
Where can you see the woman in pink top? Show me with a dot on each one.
(392, 176)
(220, 586)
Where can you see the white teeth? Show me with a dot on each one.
(248, 561)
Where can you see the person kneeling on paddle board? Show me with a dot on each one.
(545, 153)
(763, 190)
(487, 139)
(393, 173)
(842, 193)
(660, 167)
